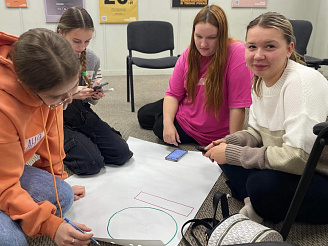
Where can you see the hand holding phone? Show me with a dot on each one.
(96, 87)
(201, 149)
(176, 155)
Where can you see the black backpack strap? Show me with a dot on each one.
(218, 196)
(196, 222)
(208, 230)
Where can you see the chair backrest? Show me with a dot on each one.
(302, 32)
(150, 36)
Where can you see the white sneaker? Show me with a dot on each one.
(249, 211)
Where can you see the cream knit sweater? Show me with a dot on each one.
(280, 134)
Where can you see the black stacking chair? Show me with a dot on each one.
(302, 32)
(148, 37)
(321, 130)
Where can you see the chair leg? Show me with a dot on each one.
(131, 87)
(127, 79)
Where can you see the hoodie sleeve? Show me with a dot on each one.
(35, 218)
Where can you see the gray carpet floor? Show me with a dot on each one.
(115, 110)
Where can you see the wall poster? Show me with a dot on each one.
(118, 11)
(16, 3)
(55, 9)
(189, 3)
(249, 3)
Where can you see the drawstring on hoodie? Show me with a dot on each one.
(50, 160)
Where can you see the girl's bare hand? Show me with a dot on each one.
(79, 191)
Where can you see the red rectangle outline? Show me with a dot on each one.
(136, 198)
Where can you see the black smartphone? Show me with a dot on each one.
(96, 87)
(176, 155)
(201, 149)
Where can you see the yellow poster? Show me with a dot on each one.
(118, 11)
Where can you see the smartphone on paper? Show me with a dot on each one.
(96, 87)
(201, 149)
(176, 155)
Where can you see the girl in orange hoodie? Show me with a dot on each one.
(38, 72)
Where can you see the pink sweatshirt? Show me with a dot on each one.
(194, 120)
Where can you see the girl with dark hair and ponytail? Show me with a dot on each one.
(89, 142)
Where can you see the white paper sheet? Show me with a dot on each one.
(148, 198)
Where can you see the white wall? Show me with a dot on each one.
(109, 41)
(320, 43)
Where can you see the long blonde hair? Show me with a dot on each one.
(280, 22)
(77, 18)
(214, 15)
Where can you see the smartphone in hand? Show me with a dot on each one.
(96, 87)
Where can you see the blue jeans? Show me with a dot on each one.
(39, 184)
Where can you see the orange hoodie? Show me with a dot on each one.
(21, 136)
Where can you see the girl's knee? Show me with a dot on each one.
(88, 165)
(126, 154)
(266, 182)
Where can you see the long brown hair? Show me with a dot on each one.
(44, 60)
(214, 15)
(76, 18)
(280, 22)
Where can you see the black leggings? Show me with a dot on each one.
(271, 193)
(150, 117)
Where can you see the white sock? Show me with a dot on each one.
(249, 211)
